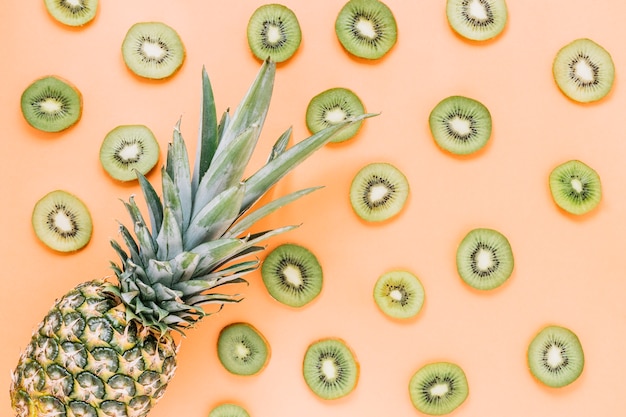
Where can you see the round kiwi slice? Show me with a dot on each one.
(378, 192)
(333, 106)
(153, 50)
(292, 275)
(460, 125)
(399, 294)
(583, 70)
(477, 20)
(51, 104)
(229, 410)
(242, 349)
(575, 187)
(72, 12)
(62, 221)
(555, 356)
(274, 32)
(366, 28)
(484, 259)
(330, 368)
(438, 388)
(127, 149)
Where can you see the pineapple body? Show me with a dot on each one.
(85, 359)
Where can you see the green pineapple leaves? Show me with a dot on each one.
(199, 234)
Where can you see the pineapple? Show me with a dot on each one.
(107, 347)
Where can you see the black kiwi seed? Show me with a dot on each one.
(62, 221)
(292, 275)
(477, 20)
(51, 104)
(555, 356)
(274, 32)
(366, 28)
(72, 12)
(330, 368)
(242, 349)
(438, 388)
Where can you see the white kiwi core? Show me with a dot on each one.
(274, 35)
(477, 10)
(50, 106)
(366, 28)
(242, 350)
(130, 152)
(439, 390)
(484, 260)
(329, 369)
(554, 357)
(584, 71)
(577, 185)
(460, 125)
(293, 276)
(153, 50)
(396, 295)
(63, 223)
(335, 115)
(378, 193)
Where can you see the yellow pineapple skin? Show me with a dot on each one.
(85, 359)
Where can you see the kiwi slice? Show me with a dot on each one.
(229, 410)
(583, 70)
(128, 149)
(378, 192)
(274, 32)
(484, 259)
(555, 356)
(242, 349)
(575, 187)
(366, 28)
(438, 388)
(399, 294)
(333, 106)
(292, 275)
(153, 50)
(460, 125)
(72, 12)
(51, 104)
(62, 221)
(477, 20)
(330, 368)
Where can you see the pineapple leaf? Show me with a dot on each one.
(159, 272)
(261, 181)
(185, 265)
(155, 208)
(169, 240)
(171, 198)
(179, 171)
(131, 244)
(213, 252)
(207, 136)
(214, 218)
(280, 145)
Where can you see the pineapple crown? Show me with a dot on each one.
(198, 238)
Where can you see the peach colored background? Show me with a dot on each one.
(568, 271)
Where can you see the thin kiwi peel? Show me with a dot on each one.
(584, 71)
(229, 410)
(460, 125)
(62, 221)
(438, 388)
(378, 192)
(330, 368)
(127, 150)
(575, 187)
(555, 356)
(477, 20)
(153, 50)
(333, 106)
(242, 349)
(484, 259)
(292, 275)
(74, 13)
(366, 29)
(399, 294)
(51, 104)
(274, 32)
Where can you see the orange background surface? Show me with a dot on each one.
(568, 271)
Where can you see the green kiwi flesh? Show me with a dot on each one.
(274, 32)
(477, 20)
(555, 356)
(72, 12)
(460, 125)
(128, 149)
(378, 192)
(330, 368)
(584, 71)
(333, 106)
(575, 187)
(399, 294)
(438, 388)
(153, 50)
(292, 275)
(366, 28)
(242, 349)
(484, 259)
(62, 221)
(229, 410)
(51, 104)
